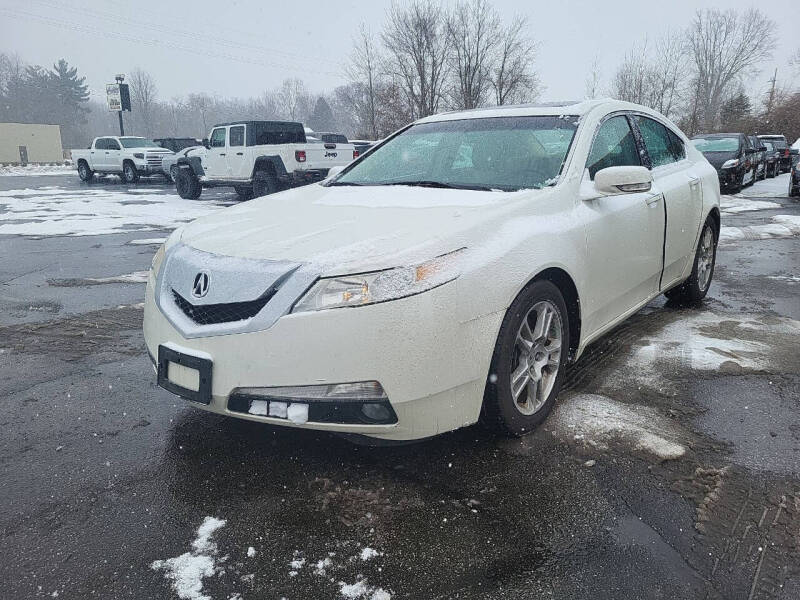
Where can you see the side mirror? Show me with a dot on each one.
(625, 180)
(762, 149)
(334, 171)
(750, 150)
(206, 143)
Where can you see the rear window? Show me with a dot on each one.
(334, 138)
(716, 144)
(268, 134)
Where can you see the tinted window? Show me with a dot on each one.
(613, 146)
(676, 146)
(503, 153)
(218, 138)
(334, 138)
(659, 144)
(137, 142)
(112, 144)
(236, 136)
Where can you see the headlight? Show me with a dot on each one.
(380, 286)
(729, 164)
(157, 260)
(138, 155)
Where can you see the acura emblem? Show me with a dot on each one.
(200, 286)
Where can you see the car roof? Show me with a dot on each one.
(775, 136)
(251, 123)
(716, 135)
(567, 107)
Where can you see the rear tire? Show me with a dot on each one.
(696, 286)
(129, 173)
(84, 172)
(245, 192)
(264, 184)
(173, 173)
(187, 185)
(528, 362)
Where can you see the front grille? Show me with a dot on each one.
(210, 314)
(154, 161)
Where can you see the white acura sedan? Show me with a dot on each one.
(447, 276)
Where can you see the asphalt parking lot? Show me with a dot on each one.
(670, 468)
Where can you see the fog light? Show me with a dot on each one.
(379, 413)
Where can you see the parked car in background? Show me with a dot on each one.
(178, 144)
(127, 156)
(363, 145)
(794, 180)
(438, 279)
(780, 144)
(772, 157)
(730, 154)
(170, 162)
(257, 158)
(759, 158)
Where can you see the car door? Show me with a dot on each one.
(235, 154)
(675, 177)
(216, 163)
(624, 232)
(98, 154)
(113, 155)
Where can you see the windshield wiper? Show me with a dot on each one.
(332, 183)
(439, 184)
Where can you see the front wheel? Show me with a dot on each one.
(696, 287)
(527, 365)
(188, 186)
(173, 173)
(129, 174)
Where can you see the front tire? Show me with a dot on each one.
(528, 362)
(173, 173)
(129, 173)
(696, 286)
(187, 185)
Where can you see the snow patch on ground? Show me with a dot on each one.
(35, 170)
(731, 205)
(361, 590)
(786, 278)
(188, 570)
(53, 210)
(776, 187)
(783, 226)
(369, 553)
(135, 277)
(148, 242)
(596, 421)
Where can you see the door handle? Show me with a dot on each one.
(240, 154)
(653, 200)
(222, 154)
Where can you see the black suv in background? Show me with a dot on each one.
(779, 143)
(773, 158)
(177, 144)
(731, 155)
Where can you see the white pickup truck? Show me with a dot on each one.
(257, 158)
(126, 156)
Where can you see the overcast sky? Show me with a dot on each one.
(241, 48)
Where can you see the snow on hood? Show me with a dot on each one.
(351, 227)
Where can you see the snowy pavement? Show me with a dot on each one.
(670, 467)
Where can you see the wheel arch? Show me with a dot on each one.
(716, 219)
(566, 285)
(272, 164)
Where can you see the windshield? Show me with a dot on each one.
(716, 144)
(138, 143)
(502, 153)
(768, 145)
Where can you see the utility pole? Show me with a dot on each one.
(120, 79)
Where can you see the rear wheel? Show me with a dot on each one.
(696, 287)
(264, 183)
(84, 172)
(245, 192)
(173, 173)
(129, 174)
(189, 188)
(527, 365)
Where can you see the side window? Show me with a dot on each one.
(236, 136)
(657, 141)
(112, 144)
(101, 144)
(218, 138)
(676, 146)
(613, 146)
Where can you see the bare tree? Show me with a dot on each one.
(513, 77)
(143, 97)
(364, 70)
(794, 61)
(293, 99)
(473, 29)
(670, 69)
(416, 40)
(201, 105)
(592, 83)
(726, 46)
(635, 77)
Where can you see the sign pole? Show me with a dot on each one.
(121, 127)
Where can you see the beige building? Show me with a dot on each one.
(22, 143)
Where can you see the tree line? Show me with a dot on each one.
(425, 59)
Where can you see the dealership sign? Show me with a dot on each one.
(118, 96)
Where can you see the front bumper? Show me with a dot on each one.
(729, 178)
(431, 364)
(305, 176)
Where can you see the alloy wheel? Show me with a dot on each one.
(705, 261)
(536, 358)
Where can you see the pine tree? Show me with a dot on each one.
(322, 118)
(70, 94)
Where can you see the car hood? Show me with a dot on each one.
(347, 229)
(717, 159)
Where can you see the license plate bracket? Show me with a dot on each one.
(203, 366)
